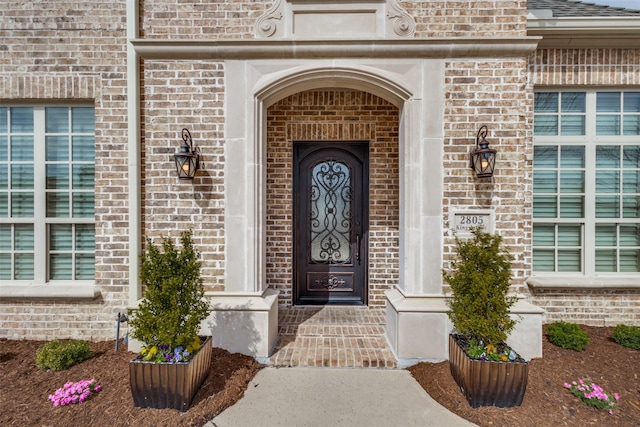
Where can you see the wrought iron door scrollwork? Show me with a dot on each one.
(330, 282)
(330, 213)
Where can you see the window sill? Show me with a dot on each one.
(58, 291)
(584, 283)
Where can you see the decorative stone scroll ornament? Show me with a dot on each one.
(266, 25)
(345, 19)
(403, 24)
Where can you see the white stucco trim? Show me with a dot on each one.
(334, 75)
(243, 323)
(322, 19)
(133, 140)
(618, 25)
(251, 86)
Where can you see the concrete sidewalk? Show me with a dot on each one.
(309, 397)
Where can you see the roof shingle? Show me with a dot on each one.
(577, 8)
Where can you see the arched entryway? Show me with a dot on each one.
(306, 127)
(339, 119)
(403, 84)
(258, 244)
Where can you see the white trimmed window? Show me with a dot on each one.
(586, 182)
(47, 223)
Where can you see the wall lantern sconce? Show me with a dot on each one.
(188, 159)
(483, 158)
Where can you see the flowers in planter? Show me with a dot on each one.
(478, 351)
(72, 392)
(593, 395)
(165, 354)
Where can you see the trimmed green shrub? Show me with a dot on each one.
(628, 336)
(173, 306)
(567, 335)
(60, 355)
(480, 277)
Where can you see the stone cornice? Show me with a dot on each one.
(323, 49)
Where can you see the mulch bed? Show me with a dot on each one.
(546, 401)
(25, 388)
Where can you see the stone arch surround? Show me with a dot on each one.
(244, 317)
(402, 83)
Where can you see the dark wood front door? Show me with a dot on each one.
(331, 200)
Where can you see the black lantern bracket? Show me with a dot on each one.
(188, 159)
(483, 159)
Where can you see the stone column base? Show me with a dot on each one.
(244, 324)
(418, 328)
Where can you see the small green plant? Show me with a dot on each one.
(168, 318)
(567, 335)
(593, 395)
(480, 278)
(60, 355)
(628, 336)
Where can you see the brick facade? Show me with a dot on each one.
(589, 307)
(53, 52)
(203, 19)
(585, 68)
(495, 93)
(177, 95)
(64, 51)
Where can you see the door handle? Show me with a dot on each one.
(358, 248)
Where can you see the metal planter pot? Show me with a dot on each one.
(487, 383)
(169, 385)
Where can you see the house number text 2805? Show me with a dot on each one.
(463, 221)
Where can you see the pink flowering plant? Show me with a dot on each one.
(75, 392)
(593, 395)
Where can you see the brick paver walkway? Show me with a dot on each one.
(338, 337)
